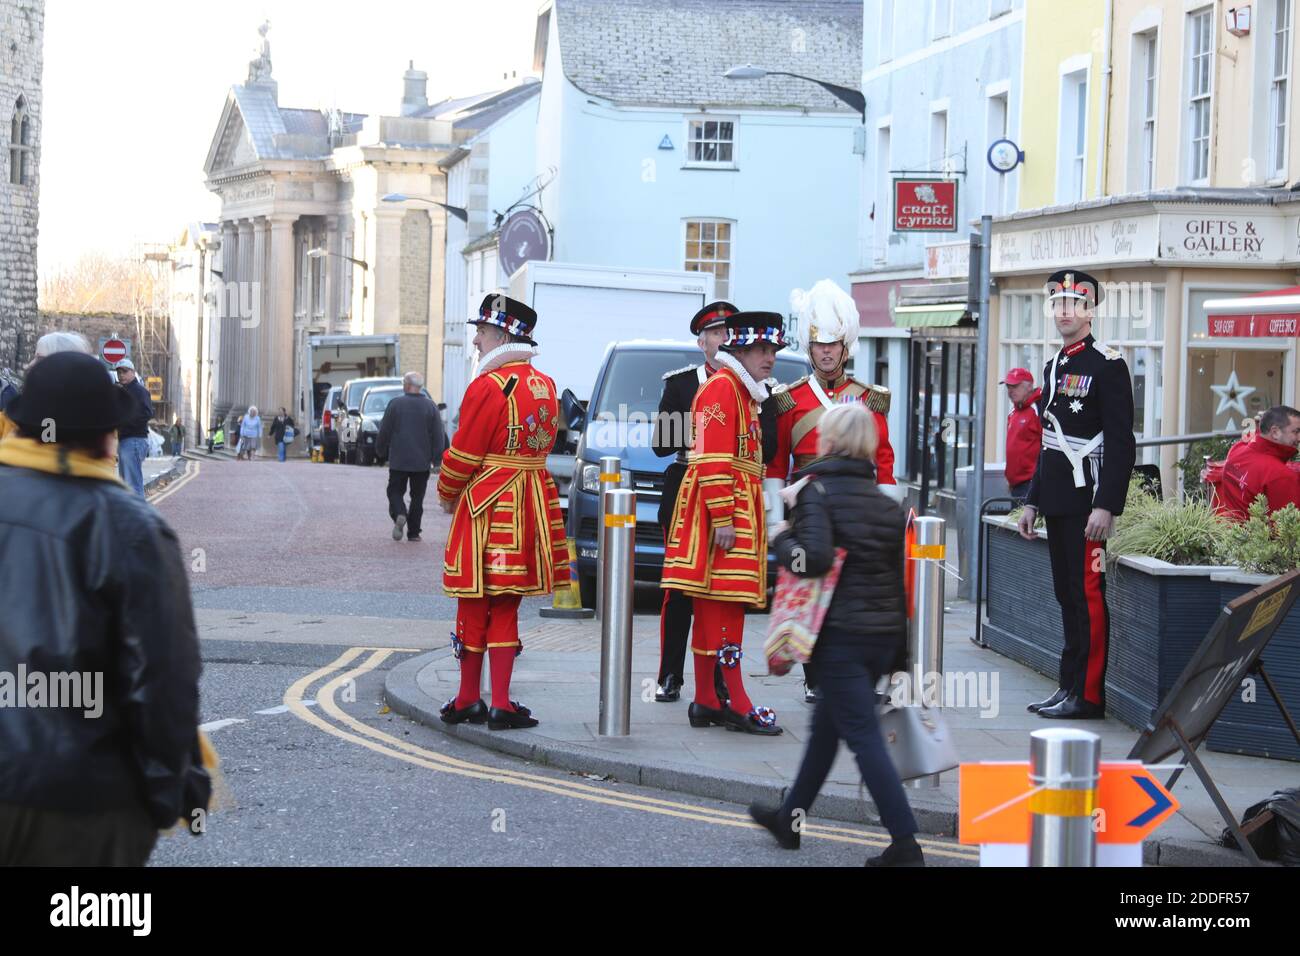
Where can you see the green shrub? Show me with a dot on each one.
(1264, 543)
(1193, 463)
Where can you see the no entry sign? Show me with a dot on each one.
(114, 351)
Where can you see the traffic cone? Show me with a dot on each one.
(567, 600)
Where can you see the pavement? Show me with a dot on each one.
(558, 677)
(159, 471)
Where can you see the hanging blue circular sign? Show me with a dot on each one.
(1005, 156)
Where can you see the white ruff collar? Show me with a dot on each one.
(756, 391)
(510, 352)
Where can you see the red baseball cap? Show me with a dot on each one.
(1016, 376)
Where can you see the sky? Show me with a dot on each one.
(133, 91)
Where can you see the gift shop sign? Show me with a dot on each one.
(925, 205)
(1049, 247)
(1243, 239)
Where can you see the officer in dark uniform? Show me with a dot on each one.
(1079, 487)
(670, 437)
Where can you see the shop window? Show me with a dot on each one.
(1229, 380)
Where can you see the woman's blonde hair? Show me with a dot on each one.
(848, 430)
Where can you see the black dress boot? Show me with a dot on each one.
(771, 820)
(1052, 701)
(1073, 708)
(904, 851)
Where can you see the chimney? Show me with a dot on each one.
(415, 96)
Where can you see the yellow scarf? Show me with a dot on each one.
(54, 460)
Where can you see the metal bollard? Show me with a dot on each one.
(1063, 761)
(925, 636)
(618, 541)
(611, 476)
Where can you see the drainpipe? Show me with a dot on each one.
(1104, 150)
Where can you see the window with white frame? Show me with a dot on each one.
(711, 142)
(1073, 138)
(886, 30)
(708, 249)
(999, 7)
(939, 140)
(1278, 86)
(1200, 71)
(884, 208)
(1143, 88)
(1130, 318)
(995, 193)
(20, 145)
(941, 23)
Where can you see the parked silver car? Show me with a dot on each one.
(348, 414)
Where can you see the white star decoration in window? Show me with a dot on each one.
(1076, 406)
(1232, 394)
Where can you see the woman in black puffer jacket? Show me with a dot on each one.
(864, 635)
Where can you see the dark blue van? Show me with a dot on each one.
(618, 422)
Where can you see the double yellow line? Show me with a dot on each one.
(347, 728)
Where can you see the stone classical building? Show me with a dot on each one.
(294, 181)
(22, 28)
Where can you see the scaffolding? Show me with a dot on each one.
(153, 329)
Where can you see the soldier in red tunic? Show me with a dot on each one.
(507, 535)
(831, 318)
(717, 539)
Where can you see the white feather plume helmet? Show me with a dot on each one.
(827, 314)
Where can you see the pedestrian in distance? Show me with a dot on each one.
(1024, 430)
(96, 599)
(177, 436)
(412, 440)
(133, 435)
(506, 540)
(282, 432)
(250, 434)
(1079, 487)
(864, 634)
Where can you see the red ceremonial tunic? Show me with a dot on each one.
(798, 437)
(723, 486)
(507, 533)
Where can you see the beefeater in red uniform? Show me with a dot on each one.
(717, 540)
(1024, 430)
(830, 316)
(506, 539)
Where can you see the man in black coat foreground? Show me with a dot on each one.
(411, 437)
(99, 659)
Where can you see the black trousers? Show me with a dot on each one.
(1080, 584)
(675, 617)
(36, 837)
(397, 482)
(846, 710)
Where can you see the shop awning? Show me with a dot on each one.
(929, 316)
(1274, 314)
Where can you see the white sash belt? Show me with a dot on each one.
(1074, 449)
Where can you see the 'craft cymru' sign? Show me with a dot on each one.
(925, 205)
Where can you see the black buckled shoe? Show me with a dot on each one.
(770, 820)
(760, 720)
(499, 719)
(701, 716)
(670, 690)
(902, 852)
(475, 713)
(1073, 708)
(1052, 701)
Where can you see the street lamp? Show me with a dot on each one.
(318, 253)
(852, 97)
(461, 214)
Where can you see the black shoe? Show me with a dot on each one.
(499, 719)
(701, 716)
(809, 694)
(1073, 708)
(670, 690)
(475, 713)
(760, 720)
(770, 820)
(1052, 701)
(902, 852)
(412, 537)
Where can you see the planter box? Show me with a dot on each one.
(1159, 614)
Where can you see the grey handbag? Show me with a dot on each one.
(918, 740)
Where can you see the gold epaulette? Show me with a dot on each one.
(877, 399)
(781, 400)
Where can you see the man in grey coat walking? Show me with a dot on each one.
(411, 437)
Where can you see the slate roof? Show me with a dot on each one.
(674, 52)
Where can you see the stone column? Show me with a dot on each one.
(282, 364)
(246, 294)
(385, 272)
(333, 267)
(224, 326)
(260, 392)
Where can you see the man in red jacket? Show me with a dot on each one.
(1258, 466)
(1024, 430)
